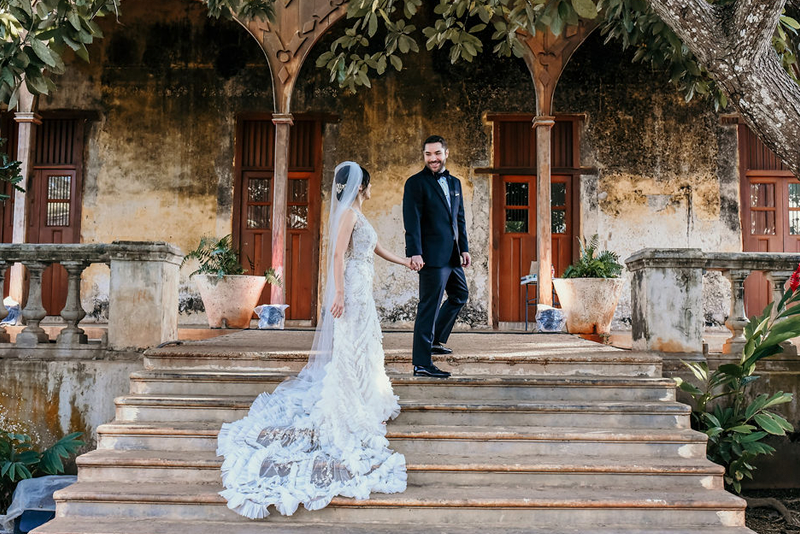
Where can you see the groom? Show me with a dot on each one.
(436, 242)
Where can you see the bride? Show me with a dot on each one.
(323, 433)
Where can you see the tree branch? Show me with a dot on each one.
(775, 504)
(754, 22)
(694, 21)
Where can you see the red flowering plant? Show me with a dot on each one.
(734, 423)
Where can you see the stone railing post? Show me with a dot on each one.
(667, 300)
(777, 280)
(4, 337)
(34, 311)
(143, 295)
(73, 312)
(737, 318)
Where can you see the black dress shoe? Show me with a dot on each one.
(438, 348)
(430, 370)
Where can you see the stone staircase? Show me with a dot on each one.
(542, 434)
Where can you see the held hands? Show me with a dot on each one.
(337, 309)
(416, 263)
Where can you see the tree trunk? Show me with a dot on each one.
(734, 43)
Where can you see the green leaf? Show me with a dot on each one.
(586, 9)
(396, 62)
(766, 422)
(43, 52)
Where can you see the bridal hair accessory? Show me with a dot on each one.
(340, 188)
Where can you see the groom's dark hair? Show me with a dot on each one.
(435, 139)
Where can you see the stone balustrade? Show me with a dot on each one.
(143, 292)
(667, 294)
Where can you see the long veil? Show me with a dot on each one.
(343, 195)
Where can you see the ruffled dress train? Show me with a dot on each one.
(313, 439)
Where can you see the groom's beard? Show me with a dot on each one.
(435, 167)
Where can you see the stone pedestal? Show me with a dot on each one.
(143, 294)
(667, 300)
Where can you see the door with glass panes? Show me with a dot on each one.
(770, 211)
(514, 207)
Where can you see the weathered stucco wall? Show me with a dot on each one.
(48, 399)
(169, 82)
(664, 172)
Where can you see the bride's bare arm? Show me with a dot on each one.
(388, 256)
(342, 241)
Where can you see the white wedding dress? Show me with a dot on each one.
(309, 442)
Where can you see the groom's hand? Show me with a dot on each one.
(466, 260)
(416, 262)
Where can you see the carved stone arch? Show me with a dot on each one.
(547, 56)
(286, 42)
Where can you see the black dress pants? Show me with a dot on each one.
(434, 323)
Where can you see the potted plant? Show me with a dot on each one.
(589, 289)
(229, 296)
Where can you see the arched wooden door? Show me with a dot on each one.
(514, 207)
(253, 207)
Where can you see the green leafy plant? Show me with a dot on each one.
(592, 264)
(734, 425)
(19, 460)
(9, 171)
(218, 257)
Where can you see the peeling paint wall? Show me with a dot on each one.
(169, 83)
(49, 399)
(665, 171)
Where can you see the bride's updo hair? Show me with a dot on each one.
(342, 176)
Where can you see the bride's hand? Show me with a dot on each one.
(337, 309)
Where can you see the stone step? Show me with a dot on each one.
(459, 470)
(570, 362)
(442, 440)
(660, 414)
(517, 388)
(514, 506)
(64, 525)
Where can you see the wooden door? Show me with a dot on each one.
(54, 197)
(515, 226)
(770, 212)
(514, 207)
(253, 225)
(54, 219)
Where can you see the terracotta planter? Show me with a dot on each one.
(229, 301)
(588, 303)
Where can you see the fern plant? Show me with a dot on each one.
(591, 264)
(218, 257)
(20, 460)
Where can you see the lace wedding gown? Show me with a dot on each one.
(307, 443)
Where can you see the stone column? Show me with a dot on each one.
(34, 311)
(26, 139)
(280, 183)
(737, 318)
(667, 300)
(73, 312)
(143, 294)
(543, 127)
(777, 280)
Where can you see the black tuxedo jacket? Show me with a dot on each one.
(433, 229)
